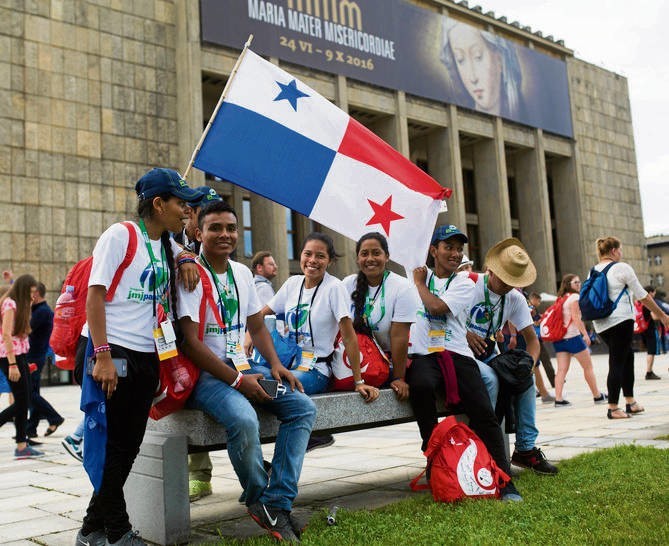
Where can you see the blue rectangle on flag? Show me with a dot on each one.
(265, 157)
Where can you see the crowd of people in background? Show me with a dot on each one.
(443, 333)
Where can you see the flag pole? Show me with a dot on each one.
(218, 105)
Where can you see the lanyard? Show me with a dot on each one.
(297, 312)
(164, 274)
(369, 304)
(223, 301)
(490, 309)
(438, 293)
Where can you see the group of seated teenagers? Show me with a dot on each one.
(437, 315)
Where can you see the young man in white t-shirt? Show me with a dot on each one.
(439, 331)
(494, 302)
(228, 383)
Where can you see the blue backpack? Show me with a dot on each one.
(594, 298)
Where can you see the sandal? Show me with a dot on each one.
(617, 413)
(633, 408)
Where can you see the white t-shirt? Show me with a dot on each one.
(458, 298)
(395, 302)
(130, 319)
(263, 288)
(513, 308)
(325, 307)
(572, 329)
(236, 311)
(619, 276)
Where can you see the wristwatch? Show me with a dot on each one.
(361, 382)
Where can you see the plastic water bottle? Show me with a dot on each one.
(62, 336)
(65, 303)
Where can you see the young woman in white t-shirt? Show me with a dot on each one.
(15, 320)
(618, 328)
(316, 307)
(383, 305)
(124, 328)
(575, 342)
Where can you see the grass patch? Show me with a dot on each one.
(611, 496)
(663, 437)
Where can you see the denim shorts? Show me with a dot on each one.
(573, 345)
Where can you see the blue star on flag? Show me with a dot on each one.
(290, 92)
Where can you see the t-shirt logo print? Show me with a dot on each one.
(230, 306)
(297, 318)
(478, 318)
(153, 277)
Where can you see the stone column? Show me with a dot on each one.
(492, 190)
(445, 164)
(534, 212)
(268, 223)
(189, 89)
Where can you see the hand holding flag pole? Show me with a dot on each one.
(277, 137)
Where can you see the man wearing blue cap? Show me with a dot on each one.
(439, 350)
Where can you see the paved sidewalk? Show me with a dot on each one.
(43, 501)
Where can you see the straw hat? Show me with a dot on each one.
(509, 260)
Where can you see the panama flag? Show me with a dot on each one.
(279, 138)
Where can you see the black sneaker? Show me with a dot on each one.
(601, 399)
(534, 459)
(131, 538)
(276, 521)
(317, 442)
(297, 525)
(652, 375)
(562, 403)
(510, 493)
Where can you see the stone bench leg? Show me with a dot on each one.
(156, 491)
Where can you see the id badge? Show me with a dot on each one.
(235, 352)
(436, 341)
(168, 331)
(308, 361)
(165, 349)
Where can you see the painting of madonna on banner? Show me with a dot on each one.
(493, 75)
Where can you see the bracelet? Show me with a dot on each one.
(185, 261)
(102, 349)
(15, 365)
(238, 381)
(361, 382)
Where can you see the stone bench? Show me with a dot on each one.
(160, 507)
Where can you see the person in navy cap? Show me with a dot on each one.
(125, 327)
(186, 237)
(441, 360)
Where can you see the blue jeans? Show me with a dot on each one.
(313, 381)
(233, 410)
(525, 408)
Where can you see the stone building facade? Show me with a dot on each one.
(658, 262)
(93, 93)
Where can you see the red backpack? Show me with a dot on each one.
(69, 315)
(640, 322)
(552, 326)
(178, 375)
(459, 465)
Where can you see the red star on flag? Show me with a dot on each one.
(383, 214)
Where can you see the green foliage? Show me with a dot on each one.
(612, 496)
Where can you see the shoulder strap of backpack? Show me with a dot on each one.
(414, 483)
(623, 291)
(127, 260)
(207, 299)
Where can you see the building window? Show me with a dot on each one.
(291, 233)
(660, 279)
(246, 223)
(513, 201)
(658, 259)
(470, 191)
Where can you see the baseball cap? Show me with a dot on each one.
(443, 233)
(205, 196)
(158, 181)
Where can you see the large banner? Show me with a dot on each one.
(397, 45)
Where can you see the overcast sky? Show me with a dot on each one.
(627, 38)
